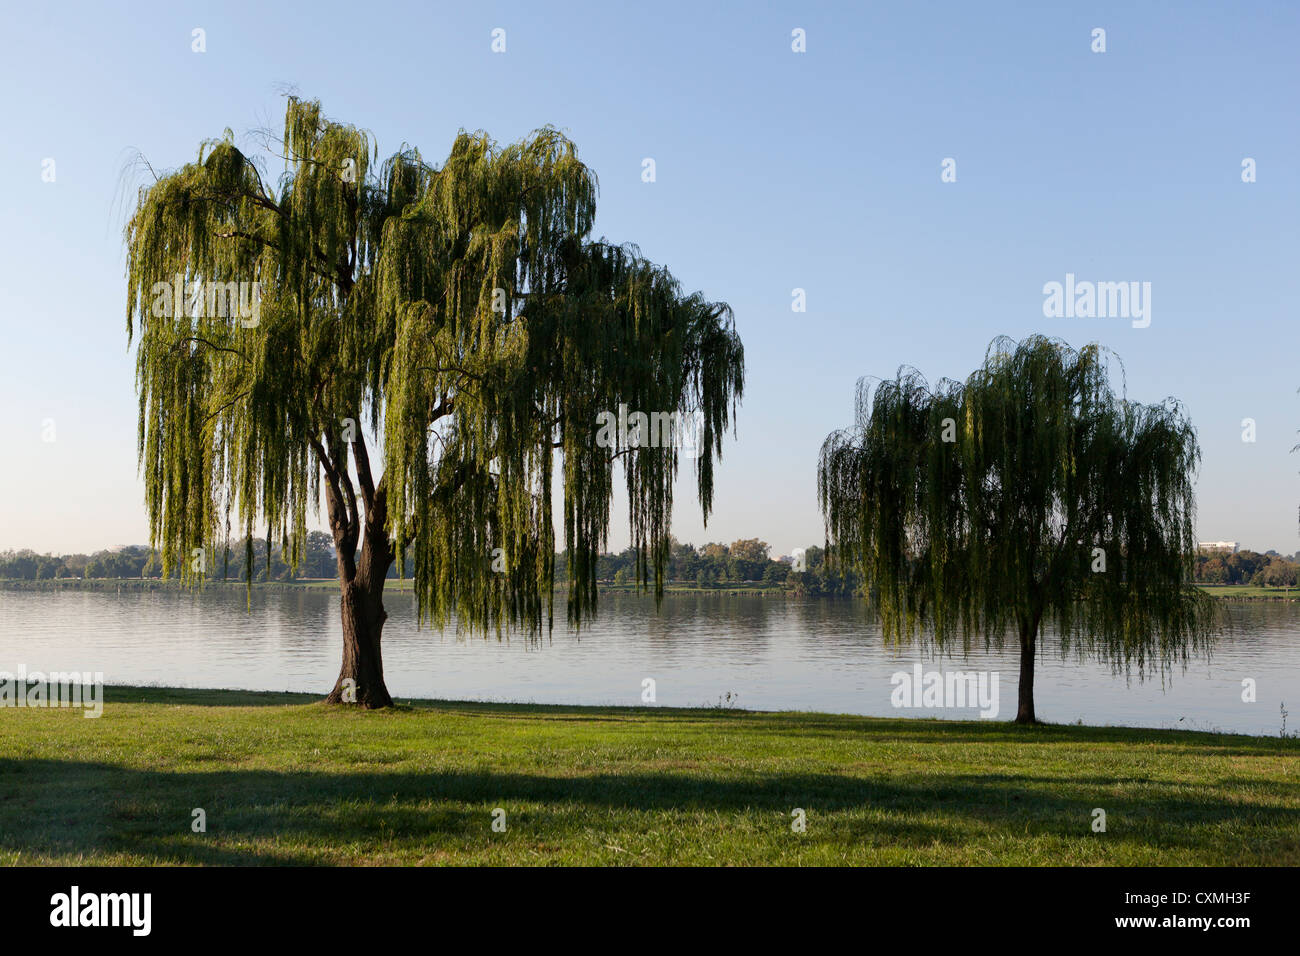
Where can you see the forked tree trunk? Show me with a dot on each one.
(1028, 642)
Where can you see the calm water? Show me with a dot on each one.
(768, 653)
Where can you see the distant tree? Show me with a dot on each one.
(683, 561)
(1030, 492)
(750, 549)
(319, 560)
(22, 565)
(748, 559)
(467, 308)
(1212, 570)
(1276, 574)
(47, 567)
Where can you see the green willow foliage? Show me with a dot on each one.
(379, 311)
(997, 528)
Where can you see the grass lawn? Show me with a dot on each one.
(1251, 592)
(286, 780)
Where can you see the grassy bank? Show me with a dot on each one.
(285, 780)
(1250, 592)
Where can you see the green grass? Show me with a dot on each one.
(286, 780)
(1250, 592)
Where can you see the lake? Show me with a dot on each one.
(771, 653)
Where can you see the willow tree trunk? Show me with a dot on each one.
(361, 586)
(361, 678)
(1028, 642)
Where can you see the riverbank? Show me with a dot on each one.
(1227, 592)
(396, 585)
(283, 779)
(1250, 592)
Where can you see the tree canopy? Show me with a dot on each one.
(456, 320)
(1033, 491)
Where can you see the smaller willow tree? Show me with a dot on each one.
(458, 320)
(1032, 493)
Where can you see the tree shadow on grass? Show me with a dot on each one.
(55, 807)
(205, 697)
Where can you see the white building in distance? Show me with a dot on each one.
(1229, 547)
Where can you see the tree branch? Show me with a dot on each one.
(362, 456)
(211, 345)
(345, 534)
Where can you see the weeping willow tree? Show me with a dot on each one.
(457, 321)
(1034, 493)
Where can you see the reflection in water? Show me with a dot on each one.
(769, 653)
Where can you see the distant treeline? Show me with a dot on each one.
(1270, 569)
(744, 563)
(139, 561)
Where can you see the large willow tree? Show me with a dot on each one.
(457, 321)
(1032, 493)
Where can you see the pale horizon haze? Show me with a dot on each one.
(776, 170)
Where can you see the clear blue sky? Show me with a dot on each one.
(776, 170)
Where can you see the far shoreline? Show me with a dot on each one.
(1222, 592)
